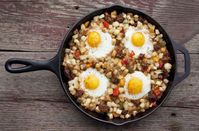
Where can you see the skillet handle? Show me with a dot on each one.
(32, 65)
(187, 63)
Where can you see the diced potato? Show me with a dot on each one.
(113, 14)
(167, 66)
(151, 28)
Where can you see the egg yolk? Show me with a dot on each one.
(94, 39)
(91, 82)
(137, 39)
(135, 86)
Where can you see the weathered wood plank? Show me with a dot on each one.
(44, 86)
(40, 26)
(33, 115)
(28, 85)
(193, 45)
(35, 100)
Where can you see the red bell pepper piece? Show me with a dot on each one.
(106, 24)
(124, 62)
(132, 54)
(77, 54)
(115, 92)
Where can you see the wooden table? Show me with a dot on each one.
(36, 101)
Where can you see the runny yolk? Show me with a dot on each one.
(135, 86)
(138, 39)
(94, 39)
(91, 82)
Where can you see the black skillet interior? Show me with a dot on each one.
(169, 45)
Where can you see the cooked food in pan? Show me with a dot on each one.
(118, 64)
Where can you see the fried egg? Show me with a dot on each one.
(98, 43)
(136, 85)
(138, 41)
(93, 82)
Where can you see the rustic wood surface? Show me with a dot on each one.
(36, 101)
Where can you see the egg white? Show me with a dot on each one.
(146, 82)
(147, 47)
(103, 82)
(104, 47)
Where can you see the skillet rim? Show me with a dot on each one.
(61, 77)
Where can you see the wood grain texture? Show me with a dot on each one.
(40, 26)
(34, 115)
(35, 100)
(44, 86)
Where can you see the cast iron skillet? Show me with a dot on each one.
(55, 65)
